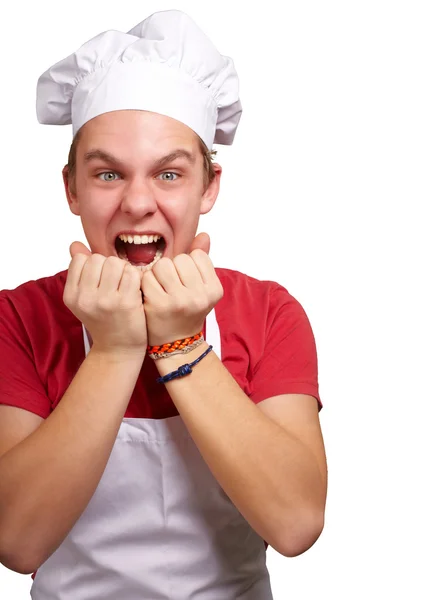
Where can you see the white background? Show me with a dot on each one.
(332, 189)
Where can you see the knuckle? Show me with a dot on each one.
(67, 297)
(97, 258)
(199, 304)
(85, 303)
(129, 270)
(165, 260)
(165, 309)
(136, 273)
(106, 303)
(134, 280)
(181, 258)
(200, 256)
(83, 306)
(126, 303)
(78, 259)
(181, 305)
(76, 263)
(218, 292)
(114, 261)
(197, 252)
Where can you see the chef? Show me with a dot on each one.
(175, 430)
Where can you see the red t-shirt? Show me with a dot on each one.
(266, 340)
(267, 345)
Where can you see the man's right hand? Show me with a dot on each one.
(104, 294)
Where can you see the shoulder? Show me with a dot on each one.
(262, 312)
(33, 324)
(245, 292)
(51, 285)
(30, 300)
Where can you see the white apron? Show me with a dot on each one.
(159, 526)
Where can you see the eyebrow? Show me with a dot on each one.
(158, 164)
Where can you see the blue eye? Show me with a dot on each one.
(108, 176)
(175, 175)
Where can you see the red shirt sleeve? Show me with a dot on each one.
(289, 364)
(20, 384)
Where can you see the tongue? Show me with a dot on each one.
(140, 253)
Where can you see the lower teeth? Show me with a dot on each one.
(121, 252)
(148, 267)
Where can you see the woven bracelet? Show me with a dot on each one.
(179, 345)
(186, 350)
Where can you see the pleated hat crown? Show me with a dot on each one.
(165, 64)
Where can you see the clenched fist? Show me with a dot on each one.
(125, 309)
(179, 293)
(104, 293)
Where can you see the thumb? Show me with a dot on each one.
(201, 242)
(79, 248)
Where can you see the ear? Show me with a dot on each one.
(70, 195)
(211, 194)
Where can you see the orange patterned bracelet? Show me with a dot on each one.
(178, 347)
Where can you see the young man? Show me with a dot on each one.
(159, 416)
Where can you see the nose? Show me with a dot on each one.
(138, 199)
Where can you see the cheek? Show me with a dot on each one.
(185, 200)
(95, 212)
(180, 212)
(182, 217)
(95, 204)
(95, 215)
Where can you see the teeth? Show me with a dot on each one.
(139, 239)
(144, 239)
(148, 267)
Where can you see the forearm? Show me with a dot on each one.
(47, 480)
(271, 477)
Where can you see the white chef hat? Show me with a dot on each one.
(165, 64)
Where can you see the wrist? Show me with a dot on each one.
(118, 355)
(171, 363)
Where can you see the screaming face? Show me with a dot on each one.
(139, 186)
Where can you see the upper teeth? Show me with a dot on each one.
(139, 239)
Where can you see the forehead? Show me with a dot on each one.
(137, 131)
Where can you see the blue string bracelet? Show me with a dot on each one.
(183, 370)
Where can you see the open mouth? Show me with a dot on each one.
(141, 251)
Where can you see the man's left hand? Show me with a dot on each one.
(179, 293)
